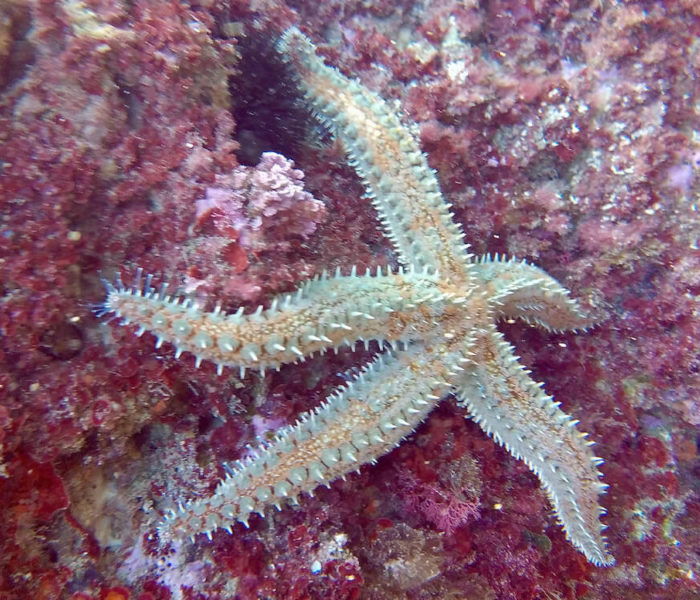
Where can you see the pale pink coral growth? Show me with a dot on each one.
(264, 205)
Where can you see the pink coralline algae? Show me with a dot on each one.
(250, 220)
(249, 213)
(262, 207)
(561, 132)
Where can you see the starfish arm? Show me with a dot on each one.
(514, 410)
(518, 290)
(387, 156)
(323, 313)
(355, 425)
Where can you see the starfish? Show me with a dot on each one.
(436, 318)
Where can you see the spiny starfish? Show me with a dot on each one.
(438, 314)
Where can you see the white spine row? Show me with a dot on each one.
(325, 313)
(355, 425)
(520, 416)
(388, 158)
(520, 290)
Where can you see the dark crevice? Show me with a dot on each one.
(266, 102)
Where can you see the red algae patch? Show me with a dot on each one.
(562, 133)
